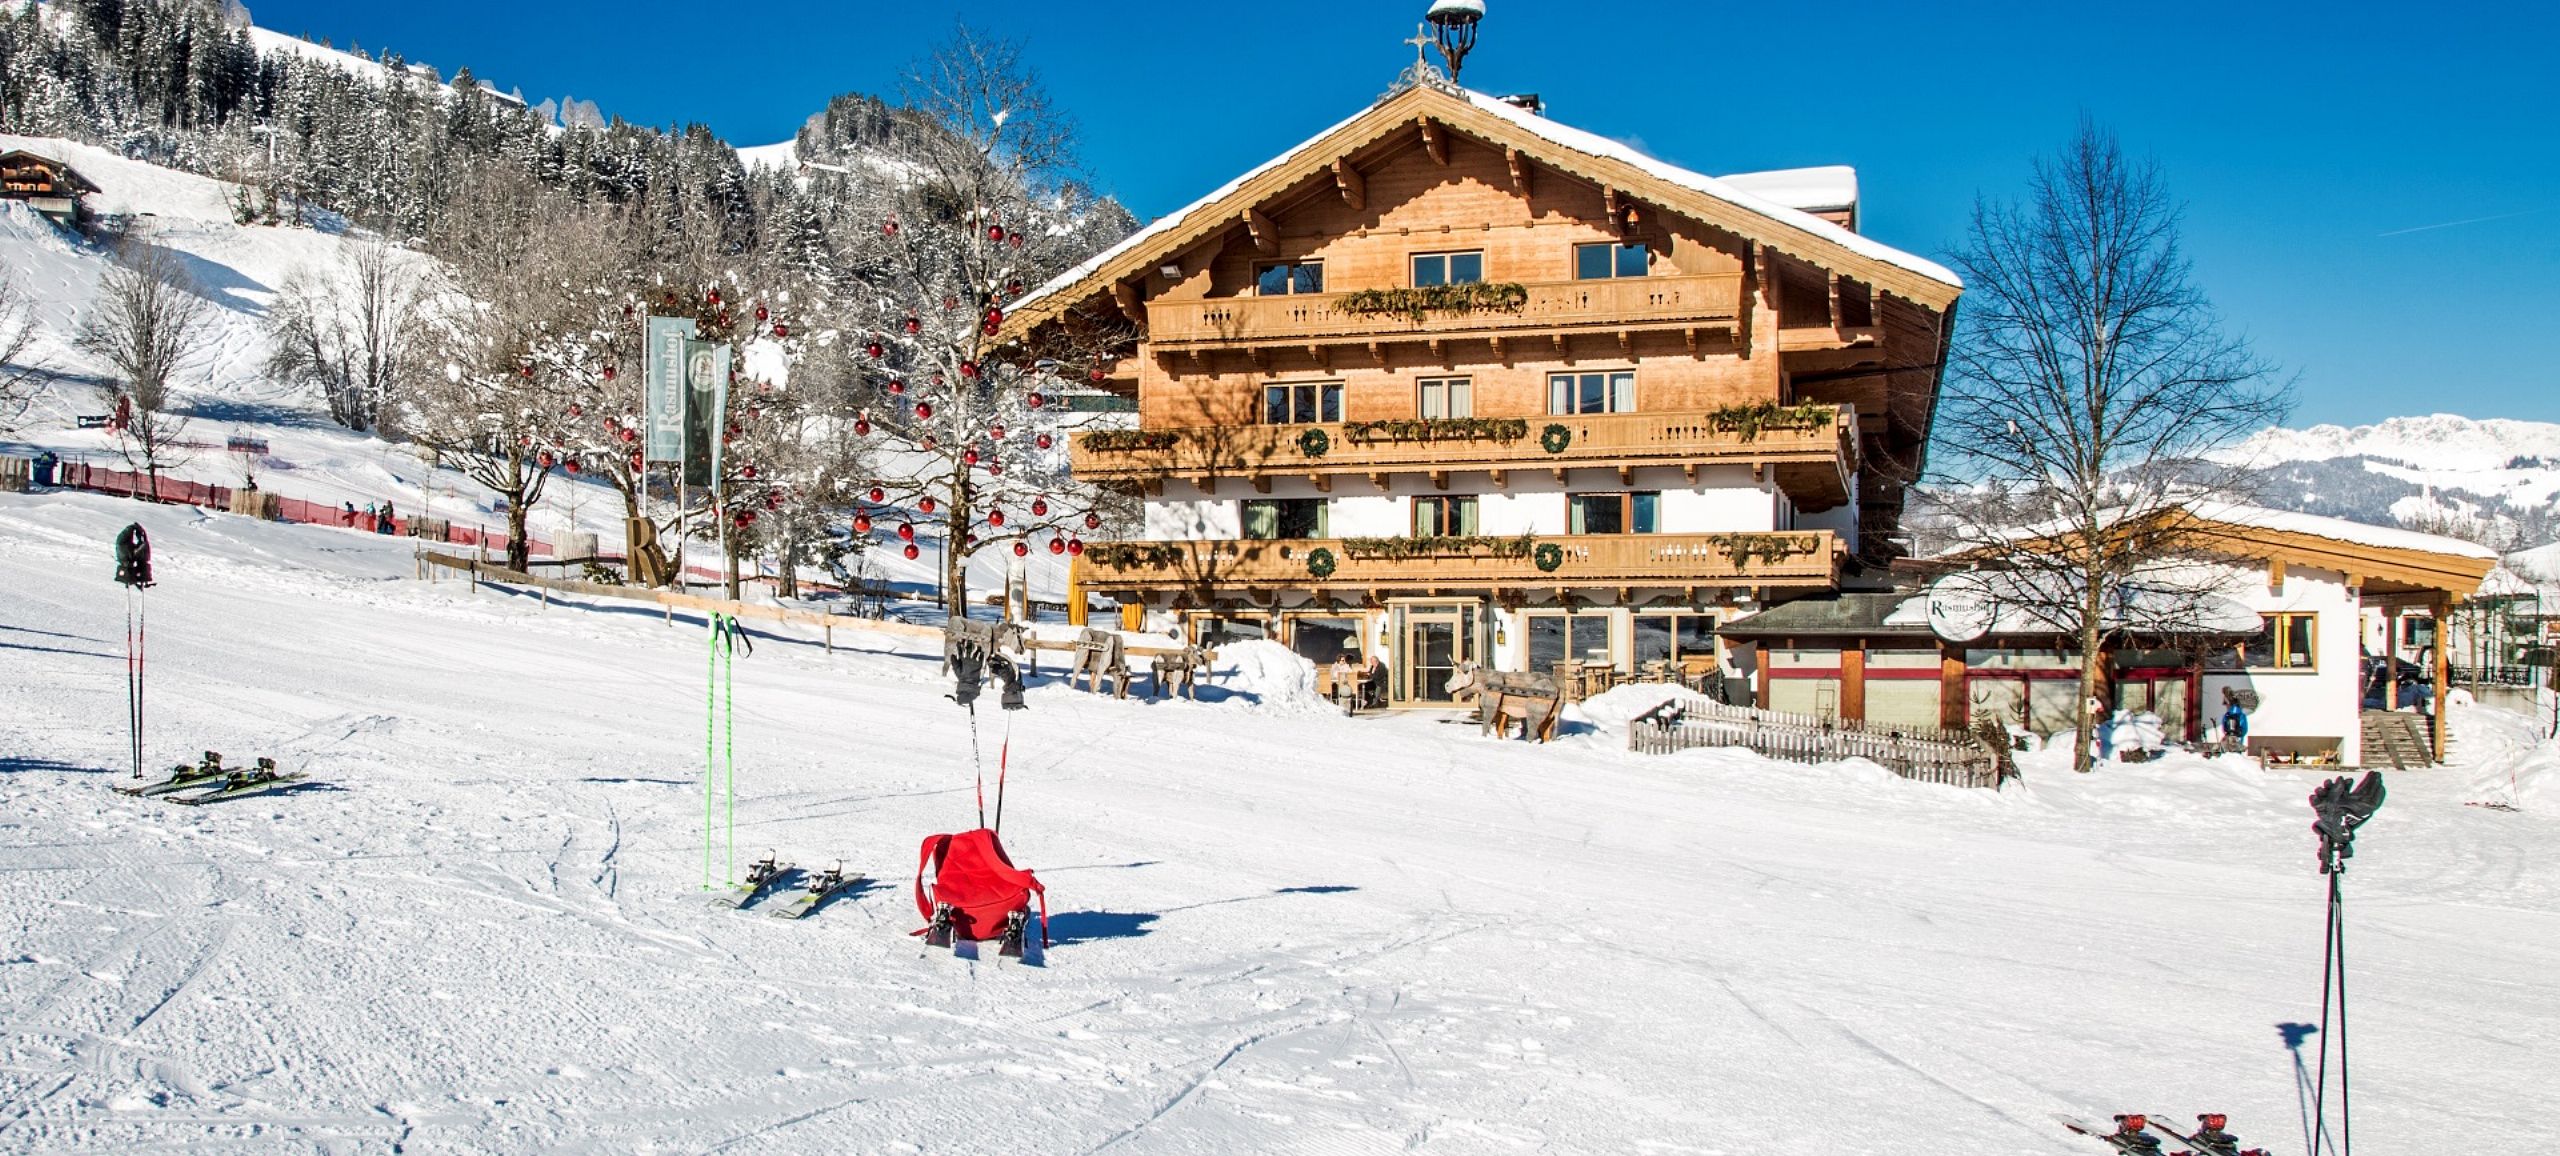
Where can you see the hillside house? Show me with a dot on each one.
(1454, 382)
(50, 187)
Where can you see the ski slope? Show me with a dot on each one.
(1278, 930)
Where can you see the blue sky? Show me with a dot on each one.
(2373, 190)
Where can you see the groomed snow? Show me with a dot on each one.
(1279, 930)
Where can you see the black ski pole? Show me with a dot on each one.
(133, 572)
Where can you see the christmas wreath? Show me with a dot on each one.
(1555, 437)
(1320, 561)
(1314, 443)
(1547, 557)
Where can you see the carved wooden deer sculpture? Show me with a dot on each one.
(1531, 700)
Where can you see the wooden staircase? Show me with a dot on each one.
(2397, 741)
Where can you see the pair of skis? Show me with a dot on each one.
(1013, 944)
(2132, 1134)
(766, 876)
(215, 782)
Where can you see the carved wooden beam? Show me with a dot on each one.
(1627, 343)
(1626, 474)
(1323, 482)
(1519, 169)
(1353, 186)
(1440, 351)
(1499, 477)
(1562, 354)
(1262, 483)
(1378, 478)
(1125, 296)
(1434, 141)
(1260, 357)
(1378, 353)
(1559, 472)
(1439, 479)
(1835, 301)
(1614, 206)
(1498, 353)
(1692, 334)
(1690, 470)
(1266, 236)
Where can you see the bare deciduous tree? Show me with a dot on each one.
(150, 324)
(350, 331)
(2090, 381)
(21, 373)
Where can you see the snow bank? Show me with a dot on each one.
(2515, 765)
(1614, 708)
(1268, 675)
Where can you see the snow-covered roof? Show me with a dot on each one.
(2341, 530)
(1564, 136)
(1970, 604)
(1821, 187)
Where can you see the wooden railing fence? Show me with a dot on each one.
(1925, 754)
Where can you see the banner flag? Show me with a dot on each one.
(663, 384)
(706, 396)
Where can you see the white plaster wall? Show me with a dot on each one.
(1371, 515)
(2322, 703)
(1841, 519)
(1192, 519)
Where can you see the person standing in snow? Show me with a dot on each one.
(383, 523)
(2235, 722)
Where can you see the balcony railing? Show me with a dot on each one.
(1814, 447)
(1784, 558)
(1706, 301)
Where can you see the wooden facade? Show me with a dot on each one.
(46, 185)
(1578, 378)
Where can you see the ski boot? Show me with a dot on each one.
(938, 932)
(2130, 1137)
(1014, 925)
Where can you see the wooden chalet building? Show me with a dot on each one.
(1452, 381)
(48, 186)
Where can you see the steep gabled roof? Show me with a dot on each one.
(1587, 155)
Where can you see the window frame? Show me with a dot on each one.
(2279, 645)
(1564, 387)
(1460, 508)
(1422, 390)
(1281, 508)
(1628, 506)
(1324, 389)
(1617, 260)
(1413, 267)
(1604, 620)
(1314, 263)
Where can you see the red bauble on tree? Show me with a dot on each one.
(969, 369)
(761, 314)
(924, 410)
(1033, 399)
(1075, 545)
(608, 372)
(1093, 521)
(911, 550)
(1042, 441)
(1057, 545)
(862, 523)
(996, 433)
(547, 460)
(862, 427)
(913, 324)
(576, 411)
(995, 232)
(782, 331)
(889, 228)
(1039, 507)
(873, 350)
(879, 495)
(571, 465)
(1097, 375)
(897, 387)
(995, 517)
(712, 297)
(1019, 550)
(925, 503)
(970, 457)
(906, 531)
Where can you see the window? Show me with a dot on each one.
(1268, 518)
(1448, 397)
(1636, 513)
(2285, 642)
(1448, 268)
(1309, 401)
(1554, 638)
(1437, 516)
(1675, 637)
(1279, 278)
(1605, 260)
(1569, 393)
(1211, 631)
(1324, 640)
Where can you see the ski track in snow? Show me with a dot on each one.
(1277, 932)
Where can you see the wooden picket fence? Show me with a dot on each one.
(1924, 754)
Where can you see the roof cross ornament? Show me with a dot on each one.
(1421, 71)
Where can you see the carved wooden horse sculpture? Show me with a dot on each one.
(1531, 700)
(1178, 672)
(1101, 654)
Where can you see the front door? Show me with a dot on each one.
(1436, 639)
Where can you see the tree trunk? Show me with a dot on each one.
(729, 552)
(955, 549)
(786, 582)
(2083, 751)
(519, 545)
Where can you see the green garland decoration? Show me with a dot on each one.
(1743, 550)
(1419, 303)
(1555, 438)
(1112, 441)
(1320, 562)
(1314, 443)
(1128, 555)
(1437, 429)
(1547, 557)
(1750, 420)
(1437, 546)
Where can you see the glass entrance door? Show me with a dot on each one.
(1436, 639)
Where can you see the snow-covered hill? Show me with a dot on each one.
(2442, 469)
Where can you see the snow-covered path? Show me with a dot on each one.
(1279, 930)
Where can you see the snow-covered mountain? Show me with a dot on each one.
(2494, 478)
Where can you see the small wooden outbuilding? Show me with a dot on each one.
(47, 185)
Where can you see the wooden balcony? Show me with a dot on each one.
(1709, 301)
(1352, 567)
(1814, 459)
